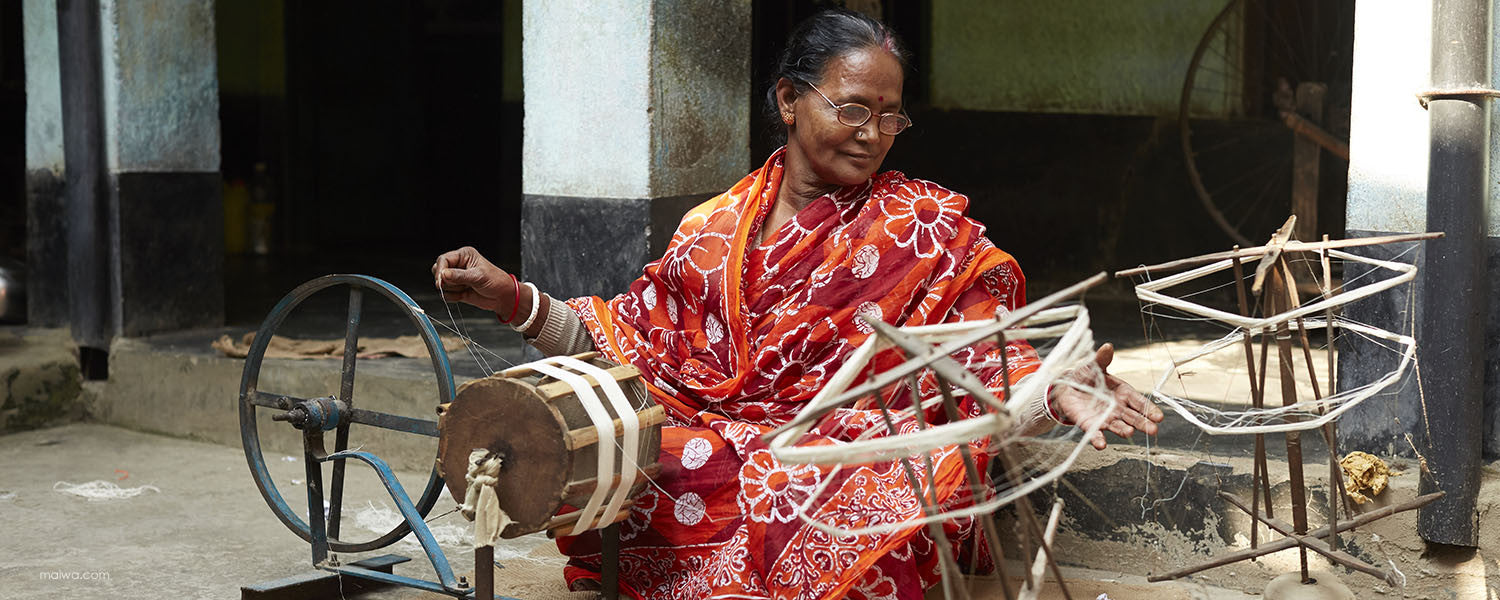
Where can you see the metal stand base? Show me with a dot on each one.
(322, 584)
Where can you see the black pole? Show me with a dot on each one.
(85, 194)
(1454, 286)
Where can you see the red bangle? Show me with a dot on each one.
(517, 305)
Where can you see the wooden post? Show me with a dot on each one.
(1306, 154)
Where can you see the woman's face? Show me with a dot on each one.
(837, 153)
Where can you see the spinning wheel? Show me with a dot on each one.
(336, 412)
(543, 431)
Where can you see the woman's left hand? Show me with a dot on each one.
(1131, 411)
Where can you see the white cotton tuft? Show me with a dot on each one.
(99, 490)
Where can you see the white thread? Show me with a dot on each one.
(469, 343)
(462, 332)
(99, 489)
(630, 422)
(536, 303)
(602, 424)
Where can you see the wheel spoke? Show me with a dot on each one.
(273, 400)
(394, 422)
(346, 393)
(351, 345)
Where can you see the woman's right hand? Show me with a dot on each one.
(463, 275)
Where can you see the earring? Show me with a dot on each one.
(789, 119)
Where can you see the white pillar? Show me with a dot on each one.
(45, 255)
(635, 111)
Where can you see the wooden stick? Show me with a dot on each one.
(1287, 542)
(1282, 297)
(1260, 438)
(946, 562)
(1313, 543)
(1027, 515)
(1039, 566)
(976, 486)
(1291, 246)
(898, 372)
(524, 370)
(1272, 255)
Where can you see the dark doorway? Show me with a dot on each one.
(384, 133)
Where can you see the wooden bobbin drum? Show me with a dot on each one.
(548, 443)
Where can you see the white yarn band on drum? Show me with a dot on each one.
(630, 422)
(602, 423)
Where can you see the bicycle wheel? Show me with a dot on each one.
(1244, 72)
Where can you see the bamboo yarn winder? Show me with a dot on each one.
(930, 347)
(558, 428)
(1286, 320)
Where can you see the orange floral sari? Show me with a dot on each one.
(733, 338)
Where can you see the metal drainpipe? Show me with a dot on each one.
(1454, 303)
(80, 63)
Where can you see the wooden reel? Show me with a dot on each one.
(544, 419)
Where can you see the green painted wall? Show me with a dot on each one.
(1121, 57)
(252, 47)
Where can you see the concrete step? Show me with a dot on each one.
(40, 384)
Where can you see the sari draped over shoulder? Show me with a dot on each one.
(734, 337)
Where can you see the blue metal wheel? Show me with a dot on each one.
(252, 398)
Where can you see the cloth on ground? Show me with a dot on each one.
(407, 346)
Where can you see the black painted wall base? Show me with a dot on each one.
(573, 246)
(1380, 424)
(169, 251)
(46, 255)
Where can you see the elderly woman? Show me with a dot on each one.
(756, 303)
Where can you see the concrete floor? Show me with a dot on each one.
(204, 531)
(203, 534)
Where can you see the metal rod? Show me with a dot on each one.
(484, 572)
(1455, 294)
(315, 523)
(609, 557)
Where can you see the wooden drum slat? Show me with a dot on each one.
(563, 524)
(558, 389)
(588, 436)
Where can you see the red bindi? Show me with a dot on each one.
(881, 99)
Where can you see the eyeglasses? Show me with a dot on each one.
(856, 115)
